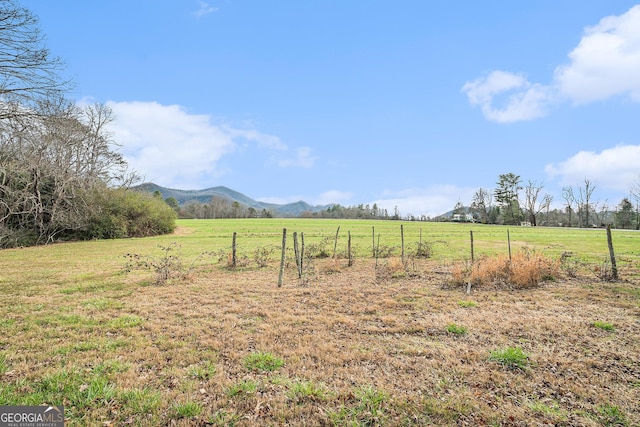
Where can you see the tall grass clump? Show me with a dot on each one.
(525, 269)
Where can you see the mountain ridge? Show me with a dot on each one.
(205, 195)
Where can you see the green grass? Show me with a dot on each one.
(203, 371)
(188, 409)
(301, 390)
(605, 326)
(246, 387)
(467, 304)
(265, 362)
(78, 331)
(456, 329)
(367, 410)
(510, 357)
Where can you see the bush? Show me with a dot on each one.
(526, 269)
(119, 213)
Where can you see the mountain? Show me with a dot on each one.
(204, 196)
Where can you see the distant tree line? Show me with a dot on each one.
(514, 203)
(61, 175)
(217, 208)
(360, 211)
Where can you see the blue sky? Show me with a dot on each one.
(414, 104)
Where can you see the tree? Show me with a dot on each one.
(532, 207)
(28, 72)
(635, 193)
(506, 195)
(482, 203)
(585, 204)
(173, 203)
(625, 215)
(50, 163)
(569, 201)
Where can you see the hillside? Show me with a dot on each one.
(205, 195)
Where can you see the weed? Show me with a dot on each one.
(262, 255)
(305, 390)
(167, 266)
(188, 409)
(125, 322)
(265, 362)
(467, 304)
(525, 269)
(204, 371)
(610, 415)
(223, 418)
(369, 410)
(141, 401)
(511, 357)
(604, 326)
(456, 329)
(569, 265)
(243, 387)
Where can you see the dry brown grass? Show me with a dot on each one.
(524, 269)
(357, 350)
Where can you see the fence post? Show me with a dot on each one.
(373, 241)
(350, 263)
(402, 241)
(301, 252)
(614, 267)
(509, 244)
(282, 259)
(296, 252)
(335, 243)
(233, 251)
(471, 234)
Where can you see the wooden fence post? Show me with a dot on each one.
(349, 257)
(373, 241)
(471, 234)
(301, 252)
(335, 243)
(283, 258)
(614, 267)
(509, 244)
(296, 252)
(234, 258)
(402, 241)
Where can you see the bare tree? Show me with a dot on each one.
(50, 164)
(531, 206)
(585, 204)
(635, 193)
(482, 203)
(569, 201)
(28, 72)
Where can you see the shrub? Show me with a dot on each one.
(119, 213)
(526, 269)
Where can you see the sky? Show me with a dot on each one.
(411, 104)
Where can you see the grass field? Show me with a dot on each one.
(348, 346)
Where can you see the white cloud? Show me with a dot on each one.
(204, 9)
(174, 148)
(614, 168)
(302, 158)
(333, 196)
(524, 101)
(605, 63)
(431, 201)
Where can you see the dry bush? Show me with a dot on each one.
(525, 269)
